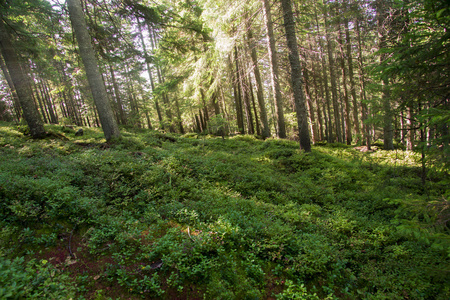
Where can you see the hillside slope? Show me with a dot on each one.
(161, 216)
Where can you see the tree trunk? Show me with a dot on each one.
(274, 73)
(50, 104)
(348, 124)
(239, 110)
(248, 110)
(388, 130)
(166, 101)
(410, 135)
(21, 83)
(179, 119)
(152, 82)
(333, 83)
(252, 97)
(312, 118)
(265, 132)
(351, 78)
(364, 108)
(97, 86)
(15, 98)
(324, 86)
(122, 116)
(296, 76)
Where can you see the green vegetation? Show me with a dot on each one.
(161, 216)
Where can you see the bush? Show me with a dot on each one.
(33, 280)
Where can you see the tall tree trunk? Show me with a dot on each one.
(122, 116)
(179, 119)
(348, 124)
(21, 83)
(205, 106)
(319, 95)
(351, 78)
(333, 82)
(97, 86)
(388, 129)
(252, 97)
(50, 106)
(324, 86)
(296, 76)
(274, 73)
(37, 96)
(312, 118)
(166, 101)
(152, 82)
(410, 136)
(265, 132)
(239, 110)
(248, 110)
(364, 108)
(15, 98)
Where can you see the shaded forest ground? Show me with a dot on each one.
(191, 217)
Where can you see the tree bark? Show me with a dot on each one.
(364, 108)
(388, 130)
(324, 86)
(238, 96)
(274, 73)
(265, 132)
(333, 83)
(122, 116)
(252, 97)
(97, 86)
(21, 83)
(348, 124)
(296, 76)
(15, 98)
(351, 78)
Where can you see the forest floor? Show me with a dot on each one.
(164, 216)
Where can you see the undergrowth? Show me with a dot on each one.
(160, 216)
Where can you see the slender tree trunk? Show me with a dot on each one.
(410, 136)
(388, 129)
(319, 96)
(312, 118)
(274, 73)
(152, 82)
(296, 76)
(165, 100)
(122, 117)
(248, 110)
(15, 98)
(205, 106)
(348, 124)
(179, 119)
(239, 110)
(265, 132)
(21, 83)
(37, 95)
(333, 83)
(351, 78)
(106, 115)
(324, 86)
(48, 99)
(364, 108)
(252, 96)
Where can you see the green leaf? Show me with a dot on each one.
(439, 13)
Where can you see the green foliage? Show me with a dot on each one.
(33, 280)
(155, 215)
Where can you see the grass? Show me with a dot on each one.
(159, 216)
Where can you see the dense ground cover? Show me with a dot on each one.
(191, 217)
